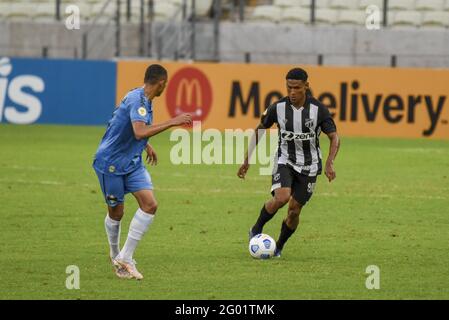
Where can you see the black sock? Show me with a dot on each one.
(286, 232)
(264, 217)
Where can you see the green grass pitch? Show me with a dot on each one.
(388, 207)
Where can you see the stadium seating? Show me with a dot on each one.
(19, 11)
(401, 4)
(435, 19)
(318, 3)
(266, 13)
(164, 10)
(406, 19)
(343, 4)
(203, 7)
(430, 5)
(411, 13)
(4, 9)
(352, 17)
(402, 13)
(363, 4)
(44, 10)
(287, 3)
(326, 16)
(108, 13)
(295, 14)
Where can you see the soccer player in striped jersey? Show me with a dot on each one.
(300, 119)
(120, 169)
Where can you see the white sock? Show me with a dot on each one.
(138, 227)
(113, 231)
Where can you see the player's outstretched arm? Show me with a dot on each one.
(333, 150)
(142, 131)
(259, 132)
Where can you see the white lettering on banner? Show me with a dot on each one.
(14, 91)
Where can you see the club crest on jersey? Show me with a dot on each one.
(308, 123)
(142, 111)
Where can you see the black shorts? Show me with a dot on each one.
(286, 177)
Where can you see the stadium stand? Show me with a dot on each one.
(414, 15)
(406, 19)
(363, 4)
(266, 13)
(351, 17)
(326, 16)
(295, 14)
(287, 3)
(318, 3)
(44, 10)
(402, 12)
(435, 19)
(343, 4)
(430, 5)
(401, 4)
(164, 10)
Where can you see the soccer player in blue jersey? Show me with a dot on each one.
(120, 169)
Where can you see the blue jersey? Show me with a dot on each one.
(120, 152)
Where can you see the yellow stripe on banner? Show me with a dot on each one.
(365, 101)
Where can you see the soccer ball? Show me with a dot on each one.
(262, 246)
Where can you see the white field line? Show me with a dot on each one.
(245, 191)
(182, 175)
(419, 150)
(33, 168)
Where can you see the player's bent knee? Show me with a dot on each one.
(116, 212)
(293, 214)
(281, 200)
(294, 207)
(150, 207)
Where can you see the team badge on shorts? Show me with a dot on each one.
(277, 176)
(142, 111)
(111, 199)
(111, 169)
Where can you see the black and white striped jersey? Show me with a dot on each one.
(299, 131)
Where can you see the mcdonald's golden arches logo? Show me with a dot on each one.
(189, 91)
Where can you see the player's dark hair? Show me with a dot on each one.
(155, 73)
(297, 74)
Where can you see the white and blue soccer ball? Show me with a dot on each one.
(262, 246)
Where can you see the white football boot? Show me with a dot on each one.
(130, 267)
(119, 270)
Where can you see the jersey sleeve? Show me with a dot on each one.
(137, 110)
(269, 117)
(325, 121)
